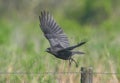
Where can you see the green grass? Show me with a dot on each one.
(22, 49)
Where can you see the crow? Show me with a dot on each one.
(59, 44)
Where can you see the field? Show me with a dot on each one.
(23, 58)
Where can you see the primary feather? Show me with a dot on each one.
(53, 31)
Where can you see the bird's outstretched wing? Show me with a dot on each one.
(53, 31)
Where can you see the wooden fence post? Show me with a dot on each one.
(86, 75)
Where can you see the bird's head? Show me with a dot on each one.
(48, 50)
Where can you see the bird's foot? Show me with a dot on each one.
(74, 62)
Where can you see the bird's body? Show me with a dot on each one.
(65, 54)
(59, 44)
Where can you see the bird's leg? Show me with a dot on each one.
(74, 62)
(70, 62)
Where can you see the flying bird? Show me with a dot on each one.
(59, 44)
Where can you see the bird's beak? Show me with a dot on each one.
(46, 50)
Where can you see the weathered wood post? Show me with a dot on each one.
(86, 75)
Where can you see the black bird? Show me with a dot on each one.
(59, 44)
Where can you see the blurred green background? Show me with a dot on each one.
(22, 44)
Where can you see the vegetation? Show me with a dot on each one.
(22, 44)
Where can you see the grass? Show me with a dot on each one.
(22, 49)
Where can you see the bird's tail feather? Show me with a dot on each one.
(72, 47)
(77, 52)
